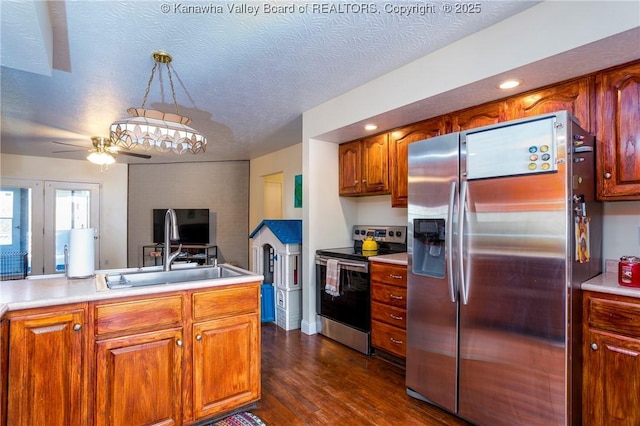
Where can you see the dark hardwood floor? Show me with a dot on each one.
(312, 380)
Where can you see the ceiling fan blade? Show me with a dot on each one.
(69, 150)
(69, 144)
(134, 154)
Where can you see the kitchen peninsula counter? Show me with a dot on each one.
(197, 339)
(54, 290)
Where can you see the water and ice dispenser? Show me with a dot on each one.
(429, 247)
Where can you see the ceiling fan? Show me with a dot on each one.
(102, 146)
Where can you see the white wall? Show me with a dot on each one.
(287, 161)
(113, 193)
(222, 187)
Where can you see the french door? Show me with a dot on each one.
(36, 218)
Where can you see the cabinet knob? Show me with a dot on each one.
(594, 346)
(179, 342)
(198, 337)
(607, 175)
(77, 327)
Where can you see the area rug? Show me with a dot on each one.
(240, 419)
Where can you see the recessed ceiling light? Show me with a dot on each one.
(370, 127)
(510, 84)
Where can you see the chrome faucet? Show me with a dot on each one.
(170, 233)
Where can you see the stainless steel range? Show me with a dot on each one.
(344, 305)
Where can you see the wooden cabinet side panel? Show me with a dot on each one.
(4, 357)
(226, 364)
(47, 369)
(138, 379)
(618, 133)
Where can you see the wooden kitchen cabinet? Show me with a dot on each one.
(618, 133)
(399, 141)
(389, 308)
(364, 166)
(226, 349)
(611, 360)
(573, 96)
(47, 367)
(478, 116)
(139, 361)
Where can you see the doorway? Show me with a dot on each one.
(23, 204)
(272, 195)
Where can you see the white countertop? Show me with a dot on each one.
(52, 290)
(608, 283)
(395, 258)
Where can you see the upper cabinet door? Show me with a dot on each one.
(399, 140)
(572, 97)
(375, 165)
(482, 115)
(350, 158)
(618, 133)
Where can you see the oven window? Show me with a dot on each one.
(353, 306)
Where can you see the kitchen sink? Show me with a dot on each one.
(141, 279)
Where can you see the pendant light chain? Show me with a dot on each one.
(173, 92)
(146, 93)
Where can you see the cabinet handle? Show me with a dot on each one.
(179, 342)
(396, 277)
(77, 327)
(364, 181)
(594, 346)
(198, 337)
(607, 175)
(393, 296)
(396, 342)
(395, 317)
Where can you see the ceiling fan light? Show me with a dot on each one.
(101, 158)
(148, 128)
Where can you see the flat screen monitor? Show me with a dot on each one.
(193, 225)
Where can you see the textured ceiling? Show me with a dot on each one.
(69, 69)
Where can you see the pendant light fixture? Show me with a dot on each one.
(149, 128)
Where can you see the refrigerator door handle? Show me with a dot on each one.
(449, 242)
(464, 289)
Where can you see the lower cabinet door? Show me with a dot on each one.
(46, 383)
(611, 380)
(226, 364)
(139, 379)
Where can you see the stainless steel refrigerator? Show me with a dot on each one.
(503, 226)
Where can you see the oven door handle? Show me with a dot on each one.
(353, 266)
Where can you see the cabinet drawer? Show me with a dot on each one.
(618, 316)
(392, 295)
(389, 338)
(152, 313)
(226, 301)
(389, 274)
(389, 314)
